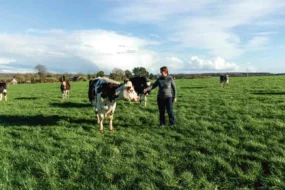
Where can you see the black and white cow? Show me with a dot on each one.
(3, 90)
(140, 83)
(224, 79)
(103, 93)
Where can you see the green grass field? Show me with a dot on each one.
(225, 138)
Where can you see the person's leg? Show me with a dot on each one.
(169, 108)
(161, 107)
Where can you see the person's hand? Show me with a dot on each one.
(174, 99)
(144, 91)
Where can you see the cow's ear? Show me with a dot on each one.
(128, 88)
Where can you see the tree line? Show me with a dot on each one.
(41, 75)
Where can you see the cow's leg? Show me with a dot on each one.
(1, 97)
(145, 99)
(111, 121)
(62, 94)
(5, 96)
(97, 115)
(111, 116)
(141, 97)
(101, 119)
(67, 93)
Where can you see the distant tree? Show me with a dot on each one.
(49, 74)
(41, 70)
(140, 71)
(100, 74)
(151, 76)
(128, 73)
(80, 74)
(117, 74)
(28, 77)
(20, 78)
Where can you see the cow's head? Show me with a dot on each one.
(140, 83)
(127, 92)
(63, 85)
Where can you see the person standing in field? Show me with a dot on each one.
(166, 96)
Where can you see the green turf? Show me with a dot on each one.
(225, 138)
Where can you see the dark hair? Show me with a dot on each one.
(164, 69)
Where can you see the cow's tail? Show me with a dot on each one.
(91, 89)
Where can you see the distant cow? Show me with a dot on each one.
(65, 88)
(103, 93)
(3, 90)
(140, 83)
(224, 79)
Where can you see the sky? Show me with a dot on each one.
(187, 36)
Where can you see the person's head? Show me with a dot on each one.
(164, 71)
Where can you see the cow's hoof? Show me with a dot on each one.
(111, 129)
(101, 130)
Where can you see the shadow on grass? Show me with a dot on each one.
(40, 120)
(268, 93)
(193, 87)
(36, 120)
(26, 98)
(71, 105)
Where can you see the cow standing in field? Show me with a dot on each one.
(140, 83)
(3, 90)
(224, 80)
(65, 89)
(103, 93)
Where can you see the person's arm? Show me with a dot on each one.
(155, 84)
(174, 90)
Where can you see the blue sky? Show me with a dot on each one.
(188, 36)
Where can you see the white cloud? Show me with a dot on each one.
(92, 50)
(206, 25)
(153, 11)
(84, 51)
(258, 41)
(216, 64)
(6, 60)
(175, 62)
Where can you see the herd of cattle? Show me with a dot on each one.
(103, 93)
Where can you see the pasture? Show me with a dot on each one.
(225, 138)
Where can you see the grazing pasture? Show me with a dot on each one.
(225, 138)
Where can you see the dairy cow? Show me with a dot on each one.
(3, 90)
(224, 79)
(140, 83)
(103, 93)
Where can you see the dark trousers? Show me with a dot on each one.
(168, 104)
